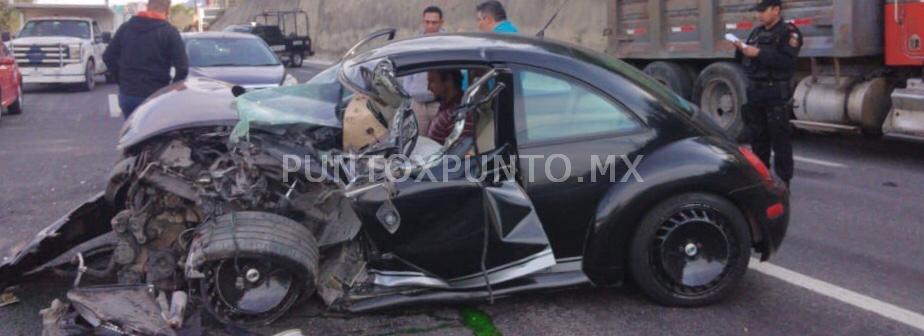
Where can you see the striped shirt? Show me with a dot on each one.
(442, 125)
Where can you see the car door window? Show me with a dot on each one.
(554, 108)
(97, 34)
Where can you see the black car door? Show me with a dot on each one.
(573, 142)
(454, 224)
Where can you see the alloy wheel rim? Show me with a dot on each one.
(692, 251)
(250, 290)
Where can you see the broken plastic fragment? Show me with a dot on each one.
(8, 298)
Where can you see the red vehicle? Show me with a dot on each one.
(10, 83)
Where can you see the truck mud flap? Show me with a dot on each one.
(88, 221)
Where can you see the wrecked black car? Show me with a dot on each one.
(579, 171)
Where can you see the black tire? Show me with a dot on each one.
(720, 91)
(17, 106)
(697, 222)
(238, 237)
(296, 59)
(673, 75)
(89, 81)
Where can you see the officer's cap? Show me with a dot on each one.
(762, 6)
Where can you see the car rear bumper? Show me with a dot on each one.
(768, 210)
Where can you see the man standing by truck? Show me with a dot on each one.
(141, 54)
(769, 58)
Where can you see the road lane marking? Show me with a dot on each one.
(819, 162)
(852, 298)
(114, 110)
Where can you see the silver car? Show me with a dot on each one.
(237, 58)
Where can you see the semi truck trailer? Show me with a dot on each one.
(860, 67)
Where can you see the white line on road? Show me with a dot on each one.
(819, 162)
(114, 110)
(852, 298)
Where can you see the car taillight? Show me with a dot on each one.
(756, 163)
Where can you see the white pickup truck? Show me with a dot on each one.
(63, 44)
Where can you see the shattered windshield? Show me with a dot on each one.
(313, 103)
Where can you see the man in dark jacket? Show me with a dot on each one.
(141, 54)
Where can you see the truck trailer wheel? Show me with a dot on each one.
(89, 81)
(255, 265)
(720, 91)
(673, 75)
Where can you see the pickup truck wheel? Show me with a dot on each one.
(17, 106)
(690, 250)
(296, 59)
(720, 91)
(673, 75)
(89, 82)
(256, 265)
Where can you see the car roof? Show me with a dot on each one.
(478, 47)
(217, 34)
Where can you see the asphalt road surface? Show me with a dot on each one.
(852, 263)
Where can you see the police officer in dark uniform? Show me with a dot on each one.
(769, 57)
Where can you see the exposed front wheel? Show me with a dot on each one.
(255, 265)
(690, 250)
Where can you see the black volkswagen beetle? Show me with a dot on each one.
(586, 172)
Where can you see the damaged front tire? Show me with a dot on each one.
(253, 266)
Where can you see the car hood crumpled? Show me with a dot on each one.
(202, 102)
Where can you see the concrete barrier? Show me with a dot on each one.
(338, 24)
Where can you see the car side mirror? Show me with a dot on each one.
(6, 36)
(107, 37)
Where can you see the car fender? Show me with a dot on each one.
(703, 164)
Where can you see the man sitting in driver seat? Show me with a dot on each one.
(446, 86)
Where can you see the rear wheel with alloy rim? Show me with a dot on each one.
(690, 250)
